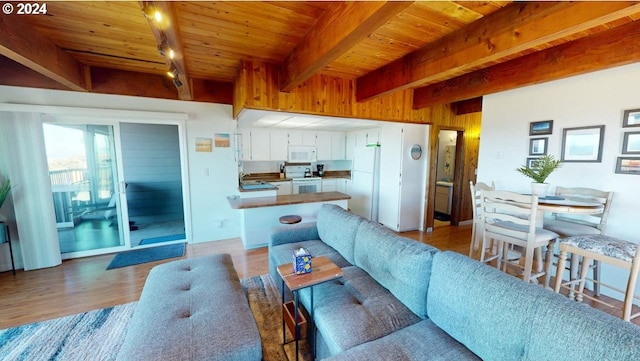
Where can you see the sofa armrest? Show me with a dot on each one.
(293, 233)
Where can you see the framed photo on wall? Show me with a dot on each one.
(628, 165)
(538, 146)
(631, 143)
(531, 162)
(631, 118)
(541, 128)
(582, 144)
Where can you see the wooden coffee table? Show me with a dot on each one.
(322, 270)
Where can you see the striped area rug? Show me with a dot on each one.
(98, 335)
(94, 335)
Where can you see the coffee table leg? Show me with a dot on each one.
(295, 318)
(313, 326)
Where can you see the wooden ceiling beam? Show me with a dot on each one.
(167, 30)
(339, 29)
(504, 33)
(24, 45)
(615, 47)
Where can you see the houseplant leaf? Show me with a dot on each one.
(541, 168)
(4, 192)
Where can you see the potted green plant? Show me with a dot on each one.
(538, 171)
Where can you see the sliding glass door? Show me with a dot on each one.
(84, 181)
(116, 185)
(152, 171)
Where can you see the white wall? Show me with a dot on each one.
(207, 193)
(593, 99)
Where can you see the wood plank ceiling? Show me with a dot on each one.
(446, 50)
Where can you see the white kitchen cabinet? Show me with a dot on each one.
(245, 149)
(301, 137)
(260, 144)
(256, 144)
(330, 146)
(329, 185)
(350, 146)
(284, 188)
(324, 146)
(338, 146)
(279, 143)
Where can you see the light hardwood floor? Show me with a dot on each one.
(84, 284)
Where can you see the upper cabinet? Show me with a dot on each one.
(301, 137)
(279, 143)
(264, 144)
(338, 146)
(330, 145)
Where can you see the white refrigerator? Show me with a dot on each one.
(365, 178)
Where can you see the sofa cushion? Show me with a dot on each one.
(401, 265)
(355, 309)
(421, 341)
(337, 228)
(500, 317)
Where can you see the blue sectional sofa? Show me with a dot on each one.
(404, 300)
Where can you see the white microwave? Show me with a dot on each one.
(301, 154)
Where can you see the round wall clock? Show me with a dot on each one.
(416, 151)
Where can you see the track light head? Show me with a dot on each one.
(177, 82)
(173, 72)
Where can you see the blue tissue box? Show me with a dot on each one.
(301, 262)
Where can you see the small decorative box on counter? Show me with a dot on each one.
(301, 261)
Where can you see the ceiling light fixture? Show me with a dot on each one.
(177, 82)
(173, 72)
(166, 51)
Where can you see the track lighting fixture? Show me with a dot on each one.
(177, 82)
(173, 72)
(166, 51)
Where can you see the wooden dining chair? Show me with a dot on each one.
(604, 249)
(568, 225)
(476, 230)
(510, 219)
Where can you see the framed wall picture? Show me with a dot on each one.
(631, 118)
(203, 144)
(541, 128)
(531, 162)
(538, 146)
(582, 144)
(628, 165)
(631, 143)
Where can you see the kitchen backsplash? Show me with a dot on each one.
(274, 166)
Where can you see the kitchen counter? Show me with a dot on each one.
(258, 215)
(244, 203)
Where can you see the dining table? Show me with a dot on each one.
(555, 204)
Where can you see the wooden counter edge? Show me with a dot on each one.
(245, 203)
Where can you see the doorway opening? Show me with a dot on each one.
(448, 165)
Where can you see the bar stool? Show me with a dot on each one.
(290, 219)
(597, 247)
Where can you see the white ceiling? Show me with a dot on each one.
(251, 118)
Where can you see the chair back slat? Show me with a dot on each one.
(517, 209)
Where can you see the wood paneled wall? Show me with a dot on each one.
(256, 87)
